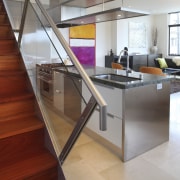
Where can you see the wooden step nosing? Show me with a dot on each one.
(20, 125)
(16, 97)
(29, 167)
(21, 131)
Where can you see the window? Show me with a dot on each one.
(174, 34)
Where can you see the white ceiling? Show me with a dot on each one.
(151, 6)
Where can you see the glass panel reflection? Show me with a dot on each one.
(59, 92)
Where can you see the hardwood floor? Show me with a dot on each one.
(89, 160)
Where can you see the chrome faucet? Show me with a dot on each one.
(128, 70)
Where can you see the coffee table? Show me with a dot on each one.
(171, 71)
(175, 83)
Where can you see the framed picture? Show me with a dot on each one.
(82, 43)
(137, 35)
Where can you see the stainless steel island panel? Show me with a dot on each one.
(145, 118)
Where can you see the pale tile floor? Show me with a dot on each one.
(89, 160)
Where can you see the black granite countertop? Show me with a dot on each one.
(143, 79)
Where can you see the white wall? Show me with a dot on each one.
(60, 49)
(103, 41)
(161, 22)
(123, 34)
(114, 35)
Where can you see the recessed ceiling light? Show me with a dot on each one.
(98, 19)
(119, 15)
(82, 22)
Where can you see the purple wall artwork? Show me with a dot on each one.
(82, 43)
(85, 55)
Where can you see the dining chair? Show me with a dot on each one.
(116, 65)
(151, 70)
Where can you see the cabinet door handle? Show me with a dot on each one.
(110, 115)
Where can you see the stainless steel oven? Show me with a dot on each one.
(46, 88)
(45, 79)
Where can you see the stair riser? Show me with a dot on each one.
(11, 66)
(8, 47)
(3, 19)
(20, 146)
(13, 84)
(5, 32)
(2, 10)
(8, 110)
(50, 174)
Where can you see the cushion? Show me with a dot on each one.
(156, 63)
(162, 63)
(176, 60)
(170, 63)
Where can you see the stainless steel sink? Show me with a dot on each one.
(115, 77)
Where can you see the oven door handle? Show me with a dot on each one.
(45, 79)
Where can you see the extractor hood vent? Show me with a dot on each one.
(103, 16)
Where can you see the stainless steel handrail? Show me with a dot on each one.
(101, 102)
(22, 21)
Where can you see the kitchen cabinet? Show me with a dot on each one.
(135, 61)
(110, 59)
(151, 58)
(138, 61)
(58, 91)
(113, 134)
(134, 125)
(67, 95)
(72, 96)
(113, 97)
(137, 110)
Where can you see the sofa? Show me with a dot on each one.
(168, 65)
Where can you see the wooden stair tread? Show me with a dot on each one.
(12, 73)
(16, 97)
(25, 168)
(18, 126)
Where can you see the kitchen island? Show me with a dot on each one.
(137, 112)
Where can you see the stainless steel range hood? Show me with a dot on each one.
(103, 16)
(83, 3)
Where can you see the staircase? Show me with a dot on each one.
(23, 154)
